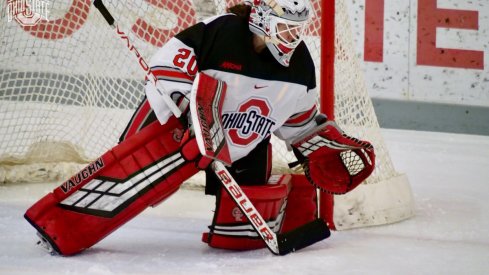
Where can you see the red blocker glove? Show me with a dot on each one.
(333, 161)
(207, 98)
(190, 151)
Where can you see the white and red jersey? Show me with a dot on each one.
(263, 97)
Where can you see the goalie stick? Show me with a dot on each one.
(280, 244)
(142, 62)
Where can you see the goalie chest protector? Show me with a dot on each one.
(262, 95)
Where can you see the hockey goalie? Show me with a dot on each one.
(237, 78)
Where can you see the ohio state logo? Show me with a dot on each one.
(249, 122)
(27, 13)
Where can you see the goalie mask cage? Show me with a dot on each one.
(68, 87)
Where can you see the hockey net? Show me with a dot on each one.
(68, 87)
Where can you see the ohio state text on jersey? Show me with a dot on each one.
(263, 97)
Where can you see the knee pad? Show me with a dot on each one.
(230, 229)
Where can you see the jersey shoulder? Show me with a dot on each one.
(207, 30)
(228, 25)
(303, 62)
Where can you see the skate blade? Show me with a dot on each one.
(45, 245)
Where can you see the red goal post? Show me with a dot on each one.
(326, 100)
(68, 88)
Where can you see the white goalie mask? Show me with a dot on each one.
(281, 24)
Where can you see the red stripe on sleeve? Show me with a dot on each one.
(173, 74)
(302, 116)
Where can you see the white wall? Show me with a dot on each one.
(401, 75)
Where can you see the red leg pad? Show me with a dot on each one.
(230, 228)
(301, 204)
(141, 171)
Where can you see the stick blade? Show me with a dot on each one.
(303, 236)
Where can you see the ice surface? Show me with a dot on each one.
(449, 175)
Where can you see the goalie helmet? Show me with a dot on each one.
(281, 24)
